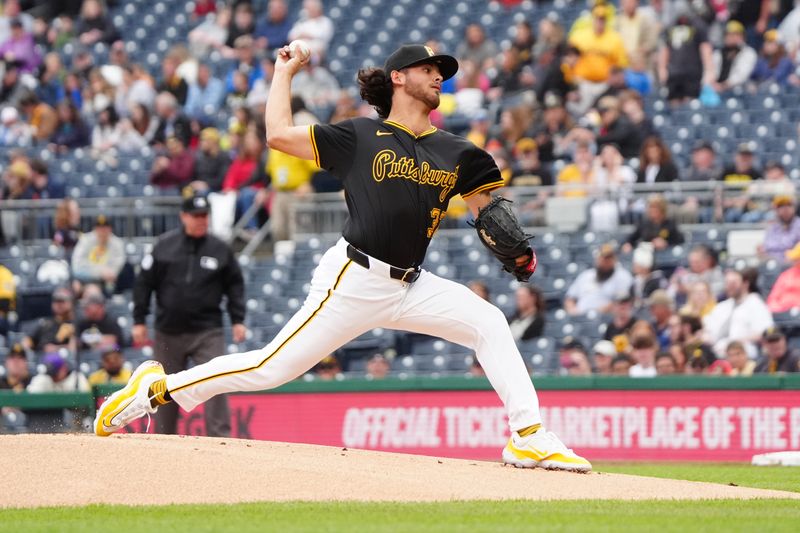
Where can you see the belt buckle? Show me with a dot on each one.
(408, 271)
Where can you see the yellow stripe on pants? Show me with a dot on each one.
(278, 349)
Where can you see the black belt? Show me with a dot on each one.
(409, 275)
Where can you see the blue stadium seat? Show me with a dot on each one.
(404, 364)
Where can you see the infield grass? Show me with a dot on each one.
(478, 516)
(745, 475)
(481, 516)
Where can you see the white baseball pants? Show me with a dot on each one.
(346, 300)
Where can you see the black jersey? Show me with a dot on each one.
(398, 184)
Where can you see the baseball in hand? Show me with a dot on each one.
(300, 50)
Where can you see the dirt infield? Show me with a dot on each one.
(48, 470)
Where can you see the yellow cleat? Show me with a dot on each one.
(543, 449)
(130, 402)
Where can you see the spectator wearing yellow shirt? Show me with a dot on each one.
(479, 129)
(574, 179)
(584, 21)
(700, 301)
(42, 118)
(290, 178)
(639, 28)
(8, 296)
(112, 369)
(528, 170)
(601, 49)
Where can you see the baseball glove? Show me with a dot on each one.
(502, 234)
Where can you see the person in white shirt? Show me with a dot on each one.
(13, 131)
(702, 267)
(595, 289)
(99, 255)
(59, 377)
(210, 34)
(611, 174)
(314, 28)
(734, 61)
(789, 30)
(644, 352)
(317, 86)
(743, 316)
(11, 11)
(639, 28)
(106, 133)
(612, 182)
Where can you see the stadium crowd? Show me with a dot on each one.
(562, 106)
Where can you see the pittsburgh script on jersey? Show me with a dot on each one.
(387, 165)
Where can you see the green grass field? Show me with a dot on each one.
(762, 477)
(513, 516)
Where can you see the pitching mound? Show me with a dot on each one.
(46, 470)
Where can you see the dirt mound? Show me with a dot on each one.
(44, 470)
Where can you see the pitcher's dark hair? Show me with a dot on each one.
(376, 89)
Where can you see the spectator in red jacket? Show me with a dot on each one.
(203, 8)
(174, 169)
(242, 176)
(785, 294)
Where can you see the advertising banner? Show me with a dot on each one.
(602, 425)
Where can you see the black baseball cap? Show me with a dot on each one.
(699, 355)
(571, 343)
(17, 351)
(195, 203)
(12, 63)
(409, 55)
(328, 362)
(772, 334)
(623, 297)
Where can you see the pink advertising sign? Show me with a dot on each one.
(608, 425)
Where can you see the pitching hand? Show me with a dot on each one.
(287, 64)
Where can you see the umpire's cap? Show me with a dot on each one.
(409, 55)
(195, 202)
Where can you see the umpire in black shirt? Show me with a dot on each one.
(190, 271)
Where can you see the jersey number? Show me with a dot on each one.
(437, 215)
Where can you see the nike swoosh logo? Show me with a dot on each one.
(108, 419)
(382, 133)
(535, 450)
